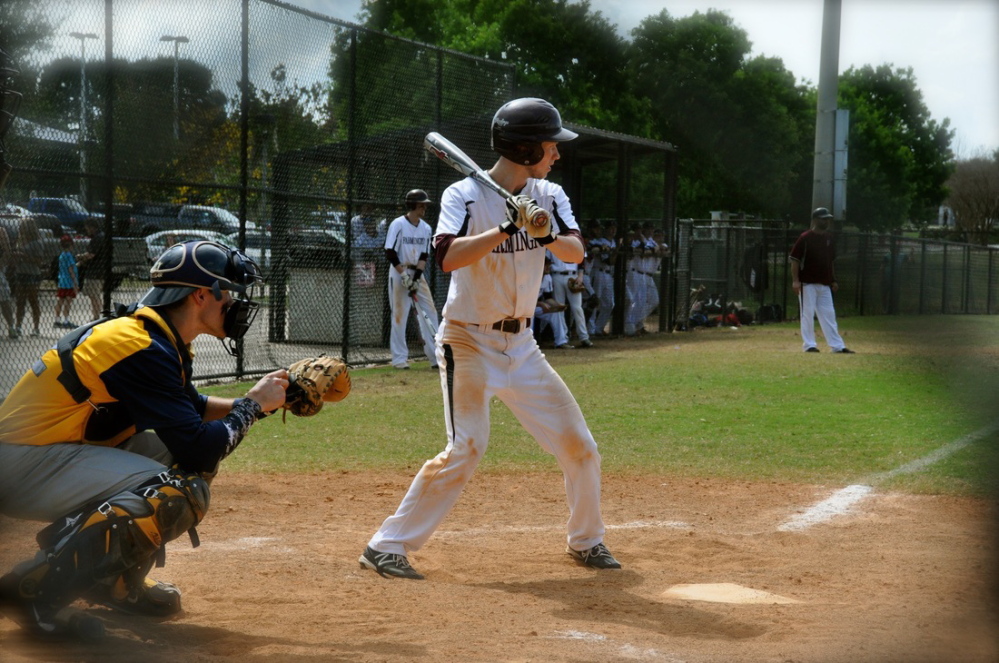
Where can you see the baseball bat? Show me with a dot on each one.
(455, 157)
(428, 325)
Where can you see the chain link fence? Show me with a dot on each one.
(270, 128)
(746, 266)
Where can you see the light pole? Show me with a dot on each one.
(177, 41)
(83, 37)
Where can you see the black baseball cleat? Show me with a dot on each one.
(844, 351)
(597, 557)
(388, 565)
(813, 349)
(46, 621)
(155, 599)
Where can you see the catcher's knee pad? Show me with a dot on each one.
(114, 538)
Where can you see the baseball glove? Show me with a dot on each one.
(314, 381)
(551, 306)
(576, 286)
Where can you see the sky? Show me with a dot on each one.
(952, 46)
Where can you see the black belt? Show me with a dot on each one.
(511, 325)
(643, 273)
(565, 273)
(506, 325)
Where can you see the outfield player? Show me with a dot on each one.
(77, 446)
(485, 345)
(407, 247)
(813, 276)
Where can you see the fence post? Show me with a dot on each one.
(988, 284)
(922, 276)
(108, 274)
(966, 304)
(862, 249)
(943, 282)
(244, 142)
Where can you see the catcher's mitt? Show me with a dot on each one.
(314, 381)
(576, 286)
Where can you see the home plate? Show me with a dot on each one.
(724, 592)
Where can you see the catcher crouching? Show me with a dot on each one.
(106, 438)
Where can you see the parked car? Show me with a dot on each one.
(11, 221)
(208, 218)
(159, 242)
(148, 218)
(71, 213)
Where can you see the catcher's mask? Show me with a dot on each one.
(183, 268)
(521, 126)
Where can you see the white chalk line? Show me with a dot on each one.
(625, 650)
(840, 502)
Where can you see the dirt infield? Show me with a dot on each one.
(901, 578)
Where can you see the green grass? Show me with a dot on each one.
(744, 405)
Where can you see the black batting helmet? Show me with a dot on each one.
(522, 125)
(416, 197)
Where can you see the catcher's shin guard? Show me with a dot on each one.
(117, 538)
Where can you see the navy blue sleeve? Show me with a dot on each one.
(150, 384)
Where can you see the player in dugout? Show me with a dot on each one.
(106, 438)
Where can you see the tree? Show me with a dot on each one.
(974, 196)
(560, 50)
(25, 25)
(743, 127)
(900, 158)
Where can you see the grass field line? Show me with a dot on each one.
(845, 498)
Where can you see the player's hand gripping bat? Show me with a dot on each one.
(453, 156)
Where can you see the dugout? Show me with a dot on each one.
(606, 175)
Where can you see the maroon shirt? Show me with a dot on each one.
(815, 253)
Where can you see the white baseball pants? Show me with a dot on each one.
(574, 300)
(603, 284)
(401, 302)
(476, 364)
(817, 301)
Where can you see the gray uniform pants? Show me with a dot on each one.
(51, 481)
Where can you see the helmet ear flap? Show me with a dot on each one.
(525, 154)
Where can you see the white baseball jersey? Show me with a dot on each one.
(505, 283)
(408, 241)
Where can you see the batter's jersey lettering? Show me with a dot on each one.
(408, 241)
(504, 283)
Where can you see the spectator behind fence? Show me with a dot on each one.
(29, 253)
(814, 281)
(93, 265)
(67, 284)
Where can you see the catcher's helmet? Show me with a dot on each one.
(416, 197)
(183, 268)
(821, 213)
(522, 125)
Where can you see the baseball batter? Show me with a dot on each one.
(495, 251)
(407, 247)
